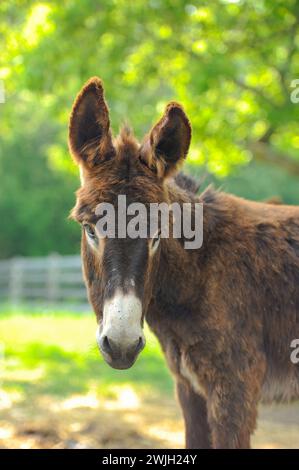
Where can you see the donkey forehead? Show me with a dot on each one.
(107, 188)
(126, 174)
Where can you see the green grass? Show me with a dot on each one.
(54, 353)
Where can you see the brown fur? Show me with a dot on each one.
(225, 314)
(274, 200)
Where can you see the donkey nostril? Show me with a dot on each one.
(106, 345)
(115, 350)
(140, 344)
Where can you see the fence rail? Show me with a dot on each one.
(53, 279)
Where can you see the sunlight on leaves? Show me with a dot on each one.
(38, 24)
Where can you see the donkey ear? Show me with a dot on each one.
(170, 138)
(90, 138)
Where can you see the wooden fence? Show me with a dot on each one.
(47, 280)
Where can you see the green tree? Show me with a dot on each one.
(231, 63)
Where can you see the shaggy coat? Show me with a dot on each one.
(225, 314)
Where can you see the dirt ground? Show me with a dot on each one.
(128, 421)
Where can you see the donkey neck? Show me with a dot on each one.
(176, 264)
(181, 274)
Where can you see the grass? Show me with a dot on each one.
(54, 353)
(56, 390)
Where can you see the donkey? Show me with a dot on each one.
(225, 314)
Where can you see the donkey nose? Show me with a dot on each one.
(107, 346)
(117, 351)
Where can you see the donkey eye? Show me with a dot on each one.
(89, 231)
(142, 161)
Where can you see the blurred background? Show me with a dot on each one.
(233, 64)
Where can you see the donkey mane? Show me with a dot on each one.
(126, 143)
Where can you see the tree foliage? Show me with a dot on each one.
(231, 63)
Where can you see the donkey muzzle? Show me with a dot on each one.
(117, 356)
(120, 337)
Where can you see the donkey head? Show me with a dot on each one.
(120, 271)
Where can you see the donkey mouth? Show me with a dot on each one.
(120, 363)
(119, 359)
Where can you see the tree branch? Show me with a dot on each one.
(267, 135)
(282, 71)
(266, 153)
(256, 91)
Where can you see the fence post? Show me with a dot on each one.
(16, 280)
(53, 282)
